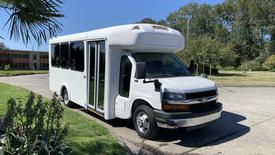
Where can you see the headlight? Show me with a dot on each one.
(169, 102)
(168, 96)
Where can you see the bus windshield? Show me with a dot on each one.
(162, 65)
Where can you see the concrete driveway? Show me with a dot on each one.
(247, 125)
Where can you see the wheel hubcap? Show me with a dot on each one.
(65, 98)
(142, 122)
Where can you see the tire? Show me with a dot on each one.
(144, 122)
(65, 97)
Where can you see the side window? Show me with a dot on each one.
(65, 55)
(77, 56)
(55, 55)
(125, 76)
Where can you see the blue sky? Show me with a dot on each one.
(84, 15)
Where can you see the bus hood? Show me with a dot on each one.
(186, 84)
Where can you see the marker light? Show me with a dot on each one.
(135, 28)
(160, 27)
(175, 108)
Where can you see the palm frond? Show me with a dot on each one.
(35, 19)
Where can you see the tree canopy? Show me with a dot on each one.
(226, 34)
(3, 46)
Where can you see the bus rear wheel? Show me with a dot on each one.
(65, 97)
(144, 122)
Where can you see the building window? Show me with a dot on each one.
(125, 76)
(65, 61)
(34, 57)
(45, 56)
(77, 56)
(55, 55)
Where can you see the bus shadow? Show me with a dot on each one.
(223, 130)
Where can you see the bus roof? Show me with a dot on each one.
(132, 37)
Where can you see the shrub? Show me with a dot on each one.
(270, 63)
(7, 67)
(250, 66)
(35, 127)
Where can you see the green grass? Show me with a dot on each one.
(238, 78)
(85, 136)
(22, 72)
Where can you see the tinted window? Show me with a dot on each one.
(55, 55)
(162, 65)
(125, 76)
(65, 61)
(77, 56)
(101, 74)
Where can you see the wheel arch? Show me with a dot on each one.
(139, 101)
(63, 87)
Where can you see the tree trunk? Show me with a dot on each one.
(197, 69)
(210, 71)
(203, 68)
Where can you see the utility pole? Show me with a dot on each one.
(188, 21)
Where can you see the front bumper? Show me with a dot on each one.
(187, 119)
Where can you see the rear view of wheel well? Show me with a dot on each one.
(139, 102)
(62, 89)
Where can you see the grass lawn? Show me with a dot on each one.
(238, 78)
(22, 72)
(85, 136)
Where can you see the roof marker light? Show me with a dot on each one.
(135, 27)
(160, 27)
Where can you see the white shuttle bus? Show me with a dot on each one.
(132, 72)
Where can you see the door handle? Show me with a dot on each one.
(84, 76)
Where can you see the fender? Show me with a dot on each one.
(138, 98)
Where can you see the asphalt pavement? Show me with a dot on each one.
(247, 124)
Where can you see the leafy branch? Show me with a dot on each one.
(32, 19)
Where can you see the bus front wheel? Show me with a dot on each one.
(144, 122)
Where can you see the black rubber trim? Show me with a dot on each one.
(165, 117)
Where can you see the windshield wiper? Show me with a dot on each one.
(162, 75)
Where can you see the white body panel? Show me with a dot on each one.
(119, 41)
(74, 81)
(187, 84)
(138, 90)
(145, 39)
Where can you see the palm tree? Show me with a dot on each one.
(35, 19)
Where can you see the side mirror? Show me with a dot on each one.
(140, 70)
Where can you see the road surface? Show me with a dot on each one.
(247, 125)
